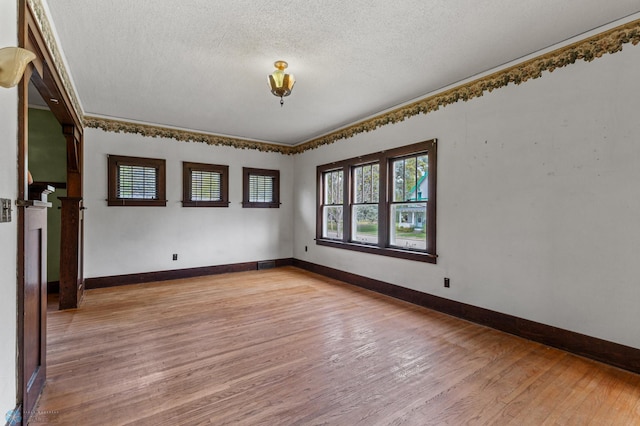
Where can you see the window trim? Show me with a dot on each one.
(247, 172)
(189, 167)
(114, 161)
(384, 158)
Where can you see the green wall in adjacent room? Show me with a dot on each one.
(48, 163)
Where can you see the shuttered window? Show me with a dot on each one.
(205, 185)
(135, 181)
(261, 188)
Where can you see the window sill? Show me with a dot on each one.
(387, 251)
(205, 204)
(136, 203)
(246, 204)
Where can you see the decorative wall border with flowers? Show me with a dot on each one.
(610, 41)
(117, 126)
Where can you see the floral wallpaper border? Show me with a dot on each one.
(117, 126)
(610, 41)
(589, 49)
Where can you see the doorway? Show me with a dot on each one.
(48, 88)
(48, 167)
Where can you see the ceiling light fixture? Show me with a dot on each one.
(281, 83)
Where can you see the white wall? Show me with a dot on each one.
(8, 231)
(125, 240)
(538, 200)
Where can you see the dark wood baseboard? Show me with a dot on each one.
(117, 280)
(605, 351)
(610, 353)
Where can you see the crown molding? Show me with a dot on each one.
(42, 21)
(118, 126)
(610, 41)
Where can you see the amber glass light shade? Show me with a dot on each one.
(281, 83)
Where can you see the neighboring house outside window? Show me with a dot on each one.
(409, 202)
(391, 206)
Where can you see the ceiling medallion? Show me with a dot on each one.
(281, 83)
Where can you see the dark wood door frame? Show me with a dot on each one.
(49, 83)
(43, 74)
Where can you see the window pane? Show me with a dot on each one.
(365, 223)
(398, 180)
(333, 188)
(410, 179)
(327, 184)
(206, 186)
(375, 183)
(366, 183)
(136, 182)
(409, 226)
(260, 189)
(422, 187)
(358, 183)
(332, 222)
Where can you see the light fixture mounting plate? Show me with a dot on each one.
(281, 65)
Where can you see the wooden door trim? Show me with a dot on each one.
(47, 79)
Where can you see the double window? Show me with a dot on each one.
(381, 203)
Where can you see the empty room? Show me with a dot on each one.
(338, 213)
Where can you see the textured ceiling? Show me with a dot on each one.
(202, 64)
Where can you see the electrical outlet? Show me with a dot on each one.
(175, 256)
(447, 284)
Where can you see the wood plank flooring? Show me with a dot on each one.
(288, 347)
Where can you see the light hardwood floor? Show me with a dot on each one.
(287, 347)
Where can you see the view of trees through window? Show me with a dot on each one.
(407, 177)
(381, 203)
(409, 204)
(366, 186)
(333, 209)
